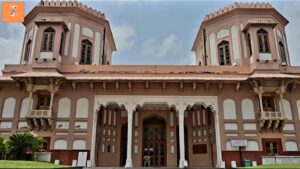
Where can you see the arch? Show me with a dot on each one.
(48, 40)
(27, 51)
(287, 109)
(263, 41)
(298, 108)
(79, 144)
(82, 108)
(229, 147)
(252, 145)
(247, 109)
(60, 144)
(86, 52)
(229, 109)
(224, 53)
(24, 107)
(291, 146)
(282, 53)
(64, 107)
(154, 140)
(9, 107)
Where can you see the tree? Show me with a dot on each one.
(3, 148)
(20, 144)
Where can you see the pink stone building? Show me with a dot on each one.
(243, 88)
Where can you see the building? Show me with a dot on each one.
(242, 88)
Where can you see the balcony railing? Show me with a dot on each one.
(40, 120)
(271, 120)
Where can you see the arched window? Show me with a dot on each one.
(263, 41)
(86, 52)
(282, 52)
(229, 109)
(48, 40)
(249, 44)
(224, 53)
(27, 51)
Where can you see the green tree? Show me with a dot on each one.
(3, 150)
(20, 144)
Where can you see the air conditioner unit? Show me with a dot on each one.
(283, 64)
(234, 64)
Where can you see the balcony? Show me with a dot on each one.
(271, 120)
(40, 120)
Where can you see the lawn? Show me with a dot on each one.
(27, 164)
(276, 166)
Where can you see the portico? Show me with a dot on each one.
(176, 111)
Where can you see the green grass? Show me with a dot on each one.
(27, 164)
(276, 166)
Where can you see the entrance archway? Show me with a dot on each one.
(154, 141)
(201, 140)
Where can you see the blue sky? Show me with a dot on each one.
(153, 32)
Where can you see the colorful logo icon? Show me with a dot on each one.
(12, 11)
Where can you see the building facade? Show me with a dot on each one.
(242, 88)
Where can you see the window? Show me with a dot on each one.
(43, 102)
(268, 103)
(224, 53)
(263, 41)
(86, 52)
(282, 52)
(27, 51)
(272, 148)
(48, 40)
(249, 44)
(108, 148)
(200, 149)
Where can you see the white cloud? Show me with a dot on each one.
(291, 12)
(11, 45)
(125, 36)
(170, 45)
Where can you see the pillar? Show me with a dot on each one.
(129, 137)
(182, 162)
(51, 103)
(218, 141)
(30, 103)
(260, 91)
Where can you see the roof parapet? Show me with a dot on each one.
(70, 3)
(236, 5)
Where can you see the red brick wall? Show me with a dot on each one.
(66, 156)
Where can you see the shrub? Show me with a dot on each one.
(20, 144)
(2, 148)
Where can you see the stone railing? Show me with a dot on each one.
(40, 113)
(237, 5)
(64, 3)
(40, 120)
(271, 120)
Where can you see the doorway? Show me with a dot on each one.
(123, 150)
(154, 141)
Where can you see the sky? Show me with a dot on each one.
(153, 31)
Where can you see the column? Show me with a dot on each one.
(51, 103)
(129, 137)
(30, 103)
(260, 91)
(218, 141)
(182, 162)
(94, 137)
